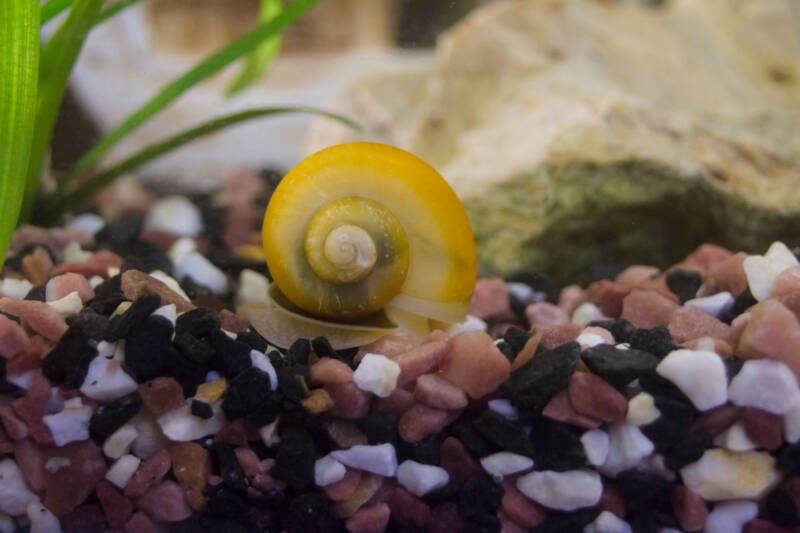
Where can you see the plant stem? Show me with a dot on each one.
(57, 59)
(19, 53)
(203, 70)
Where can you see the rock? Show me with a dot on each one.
(68, 487)
(730, 516)
(372, 519)
(15, 496)
(408, 510)
(161, 395)
(458, 462)
(376, 374)
(724, 475)
(627, 445)
(150, 472)
(691, 322)
(420, 479)
(607, 522)
(437, 392)
(191, 465)
(689, 508)
(647, 309)
(379, 459)
(136, 284)
(700, 375)
(591, 396)
(621, 134)
(642, 410)
(42, 520)
(766, 384)
(165, 503)
(502, 464)
(564, 491)
(520, 508)
(421, 421)
(715, 305)
(327, 471)
(560, 408)
(116, 507)
(474, 364)
(595, 446)
(546, 314)
(772, 331)
(491, 299)
(763, 270)
(345, 487)
(122, 470)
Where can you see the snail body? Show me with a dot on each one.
(360, 228)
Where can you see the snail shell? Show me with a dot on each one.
(359, 228)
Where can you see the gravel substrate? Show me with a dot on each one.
(134, 398)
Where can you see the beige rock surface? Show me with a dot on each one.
(584, 132)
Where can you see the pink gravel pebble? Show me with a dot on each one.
(728, 275)
(68, 487)
(473, 363)
(234, 433)
(136, 284)
(546, 314)
(611, 500)
(571, 297)
(345, 487)
(421, 421)
(33, 406)
(457, 461)
(437, 392)
(164, 503)
(349, 401)
(161, 395)
(372, 519)
(491, 299)
(232, 322)
(591, 396)
(115, 506)
(718, 420)
(633, 276)
(687, 323)
(148, 473)
(329, 370)
(345, 433)
(772, 331)
(388, 346)
(763, 428)
(519, 508)
(30, 358)
(689, 508)
(65, 284)
(554, 336)
(256, 470)
(647, 309)
(366, 489)
(607, 296)
(31, 460)
(509, 526)
(14, 426)
(38, 316)
(97, 265)
(397, 402)
(560, 409)
(13, 338)
(140, 523)
(408, 510)
(758, 525)
(445, 519)
(419, 360)
(705, 257)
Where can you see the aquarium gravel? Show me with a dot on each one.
(136, 398)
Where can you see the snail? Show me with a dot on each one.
(362, 239)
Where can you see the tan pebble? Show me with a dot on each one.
(328, 370)
(647, 309)
(136, 284)
(349, 401)
(191, 465)
(473, 363)
(367, 487)
(210, 391)
(317, 402)
(372, 519)
(345, 487)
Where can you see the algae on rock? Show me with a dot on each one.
(583, 132)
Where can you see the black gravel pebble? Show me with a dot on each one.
(483, 523)
(107, 296)
(228, 467)
(225, 502)
(503, 433)
(573, 522)
(781, 508)
(308, 513)
(253, 340)
(469, 437)
(193, 289)
(789, 459)
(146, 349)
(232, 357)
(298, 352)
(379, 427)
(557, 446)
(147, 257)
(200, 322)
(322, 347)
(479, 496)
(37, 294)
(689, 448)
(741, 303)
(121, 235)
(109, 417)
(514, 340)
(292, 381)
(657, 341)
(618, 367)
(93, 324)
(533, 385)
(425, 451)
(249, 394)
(133, 318)
(295, 458)
(733, 364)
(211, 524)
(643, 491)
(201, 410)
(684, 283)
(68, 362)
(621, 329)
(188, 368)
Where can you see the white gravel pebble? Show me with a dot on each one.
(169, 311)
(16, 288)
(791, 424)
(201, 271)
(627, 445)
(42, 520)
(642, 410)
(504, 407)
(15, 495)
(588, 339)
(122, 470)
(180, 425)
(471, 323)
(71, 423)
(379, 459)
(69, 305)
(505, 463)
(564, 491)
(106, 380)
(715, 305)
(328, 470)
(119, 442)
(735, 439)
(761, 270)
(150, 438)
(595, 446)
(377, 374)
(262, 362)
(699, 374)
(73, 253)
(724, 475)
(730, 517)
(585, 313)
(524, 293)
(420, 479)
(766, 384)
(170, 282)
(608, 522)
(252, 288)
(176, 215)
(89, 223)
(23, 381)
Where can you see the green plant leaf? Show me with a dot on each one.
(19, 57)
(258, 63)
(203, 70)
(51, 8)
(58, 203)
(55, 65)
